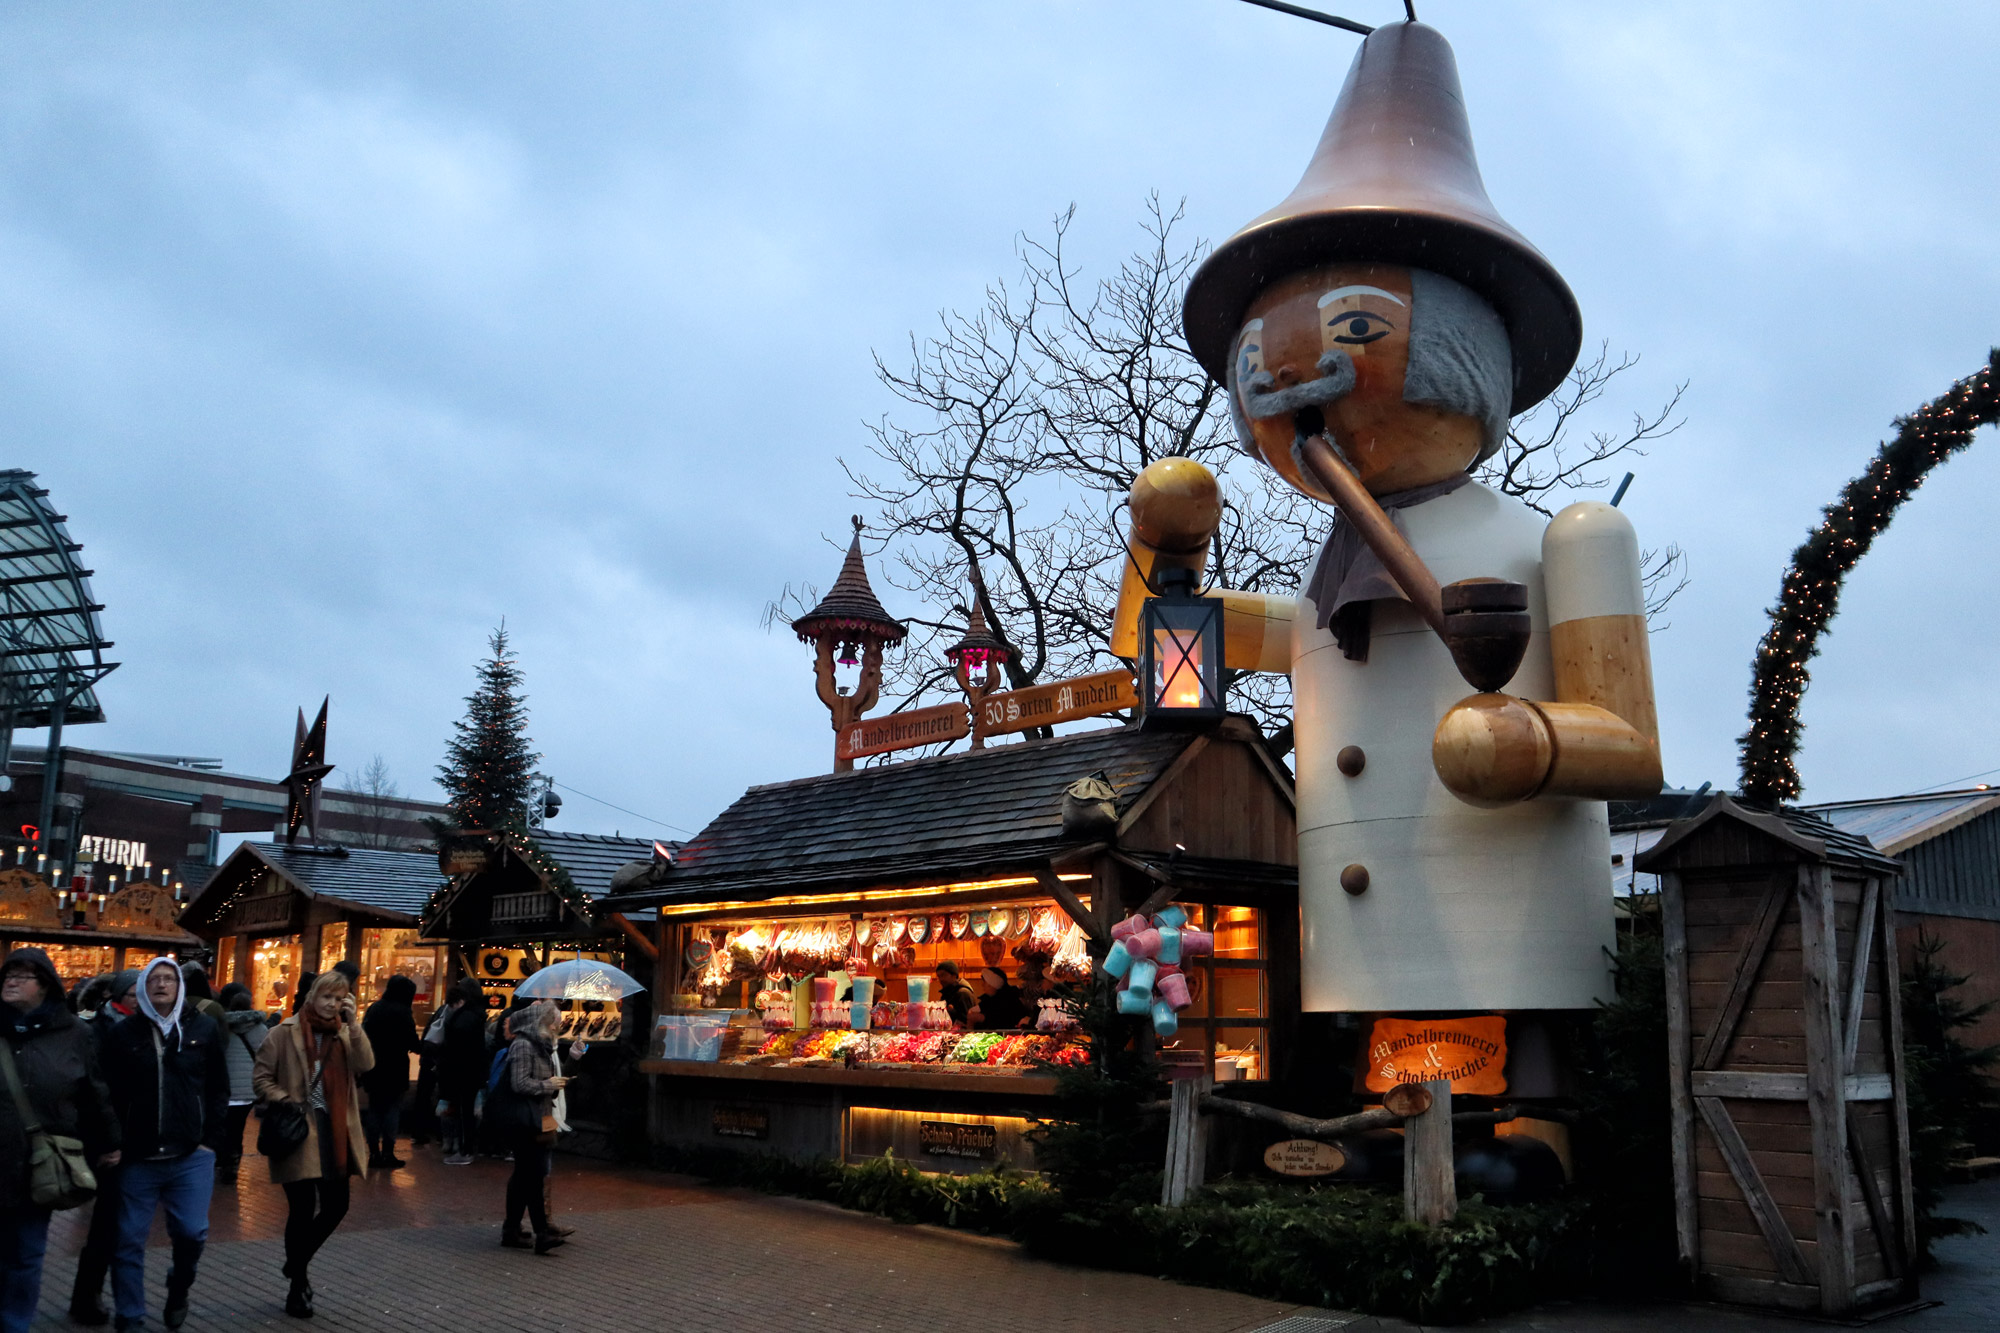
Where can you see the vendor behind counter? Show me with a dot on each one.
(1001, 1005)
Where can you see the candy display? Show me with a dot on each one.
(993, 1050)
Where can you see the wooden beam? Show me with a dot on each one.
(1187, 1140)
(1680, 1058)
(1763, 1208)
(1886, 1237)
(1748, 962)
(1166, 779)
(637, 936)
(1857, 974)
(1075, 854)
(1892, 1006)
(1063, 894)
(1786, 1087)
(1826, 1098)
(1430, 1185)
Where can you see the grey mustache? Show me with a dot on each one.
(1336, 380)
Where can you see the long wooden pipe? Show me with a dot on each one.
(1358, 507)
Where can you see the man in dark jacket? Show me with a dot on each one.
(170, 1087)
(55, 1062)
(392, 1033)
(93, 1263)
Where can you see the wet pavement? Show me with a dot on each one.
(419, 1251)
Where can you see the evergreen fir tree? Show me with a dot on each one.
(488, 765)
(1952, 1100)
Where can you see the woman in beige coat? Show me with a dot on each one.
(311, 1060)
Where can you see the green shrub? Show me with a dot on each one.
(1951, 1097)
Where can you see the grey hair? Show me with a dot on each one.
(1460, 359)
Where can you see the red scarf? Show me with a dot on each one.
(324, 1046)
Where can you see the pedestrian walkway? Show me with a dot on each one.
(419, 1253)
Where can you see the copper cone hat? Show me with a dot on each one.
(1394, 180)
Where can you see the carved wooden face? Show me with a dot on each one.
(1362, 312)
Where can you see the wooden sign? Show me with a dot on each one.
(741, 1122)
(947, 1138)
(1304, 1157)
(901, 731)
(1058, 701)
(464, 853)
(1470, 1052)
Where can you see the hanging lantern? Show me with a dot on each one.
(850, 654)
(978, 647)
(1180, 655)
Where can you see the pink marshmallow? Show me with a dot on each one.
(1128, 926)
(1143, 943)
(1197, 943)
(1172, 987)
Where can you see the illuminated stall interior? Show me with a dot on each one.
(800, 889)
(276, 912)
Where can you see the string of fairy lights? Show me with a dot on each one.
(1810, 594)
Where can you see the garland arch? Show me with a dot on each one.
(1810, 593)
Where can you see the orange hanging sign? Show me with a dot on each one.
(1470, 1052)
(901, 731)
(1057, 701)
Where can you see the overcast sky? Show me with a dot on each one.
(342, 331)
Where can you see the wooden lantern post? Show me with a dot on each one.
(849, 618)
(976, 660)
(1791, 1132)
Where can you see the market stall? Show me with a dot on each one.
(87, 933)
(276, 911)
(802, 931)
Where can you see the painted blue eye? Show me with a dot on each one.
(1358, 326)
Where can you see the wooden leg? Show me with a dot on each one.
(1187, 1141)
(1430, 1192)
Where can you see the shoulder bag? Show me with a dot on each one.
(283, 1128)
(58, 1174)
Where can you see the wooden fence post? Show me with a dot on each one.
(1430, 1192)
(1187, 1137)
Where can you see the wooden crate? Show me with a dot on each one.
(1791, 1139)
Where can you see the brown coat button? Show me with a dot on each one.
(1355, 879)
(1350, 760)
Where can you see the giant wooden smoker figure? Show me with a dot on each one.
(1376, 331)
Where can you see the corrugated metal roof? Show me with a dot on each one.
(952, 814)
(398, 882)
(50, 637)
(1897, 822)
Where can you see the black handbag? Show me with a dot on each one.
(284, 1129)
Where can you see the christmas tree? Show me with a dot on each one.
(488, 766)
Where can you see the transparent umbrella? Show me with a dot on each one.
(579, 979)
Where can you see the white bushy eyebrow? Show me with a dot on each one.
(1339, 293)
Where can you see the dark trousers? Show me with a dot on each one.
(462, 1129)
(316, 1209)
(93, 1264)
(422, 1119)
(230, 1155)
(532, 1163)
(380, 1122)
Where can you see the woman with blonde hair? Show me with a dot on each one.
(311, 1061)
(522, 1109)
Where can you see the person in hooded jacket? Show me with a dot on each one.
(169, 1084)
(243, 1034)
(313, 1060)
(201, 995)
(93, 1262)
(391, 1026)
(55, 1061)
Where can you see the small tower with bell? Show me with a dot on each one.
(976, 660)
(850, 619)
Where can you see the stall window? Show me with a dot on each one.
(388, 953)
(274, 972)
(1230, 1019)
(332, 945)
(78, 963)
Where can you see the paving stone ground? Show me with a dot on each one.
(419, 1253)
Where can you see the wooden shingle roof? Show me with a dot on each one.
(955, 816)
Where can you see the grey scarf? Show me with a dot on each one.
(1349, 578)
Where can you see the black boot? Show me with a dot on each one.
(547, 1241)
(299, 1300)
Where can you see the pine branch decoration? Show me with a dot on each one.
(1810, 594)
